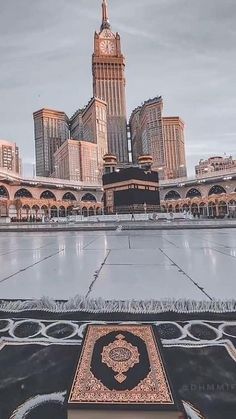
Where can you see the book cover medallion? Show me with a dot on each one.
(120, 356)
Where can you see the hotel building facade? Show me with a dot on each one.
(51, 129)
(215, 164)
(174, 146)
(158, 136)
(90, 124)
(9, 157)
(77, 161)
(147, 133)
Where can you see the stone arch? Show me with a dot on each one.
(216, 190)
(88, 197)
(85, 211)
(177, 208)
(212, 209)
(172, 195)
(26, 207)
(194, 208)
(23, 193)
(91, 211)
(35, 210)
(45, 209)
(223, 208)
(62, 211)
(4, 192)
(232, 208)
(203, 208)
(25, 212)
(98, 211)
(53, 211)
(47, 195)
(13, 212)
(193, 193)
(69, 196)
(70, 210)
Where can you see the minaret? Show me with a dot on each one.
(109, 85)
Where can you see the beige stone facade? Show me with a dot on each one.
(76, 125)
(89, 171)
(95, 128)
(212, 195)
(24, 198)
(77, 161)
(147, 133)
(9, 157)
(214, 164)
(174, 146)
(158, 136)
(90, 124)
(51, 129)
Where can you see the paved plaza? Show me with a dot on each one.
(180, 264)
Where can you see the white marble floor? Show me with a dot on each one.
(197, 264)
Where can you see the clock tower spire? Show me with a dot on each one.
(105, 16)
(109, 85)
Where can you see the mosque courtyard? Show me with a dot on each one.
(180, 281)
(127, 265)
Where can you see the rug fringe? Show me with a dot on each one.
(99, 305)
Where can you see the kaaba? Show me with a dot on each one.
(129, 188)
(121, 373)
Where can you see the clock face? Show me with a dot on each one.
(107, 47)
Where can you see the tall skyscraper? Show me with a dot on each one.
(95, 128)
(135, 134)
(174, 142)
(76, 125)
(103, 121)
(90, 124)
(51, 129)
(108, 65)
(147, 133)
(9, 157)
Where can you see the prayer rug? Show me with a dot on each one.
(38, 350)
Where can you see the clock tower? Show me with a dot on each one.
(109, 85)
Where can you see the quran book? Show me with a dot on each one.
(121, 374)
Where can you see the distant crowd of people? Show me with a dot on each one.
(31, 219)
(187, 215)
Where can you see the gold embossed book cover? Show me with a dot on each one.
(121, 373)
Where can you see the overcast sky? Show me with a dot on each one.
(184, 50)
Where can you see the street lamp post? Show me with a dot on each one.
(145, 208)
(77, 172)
(56, 171)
